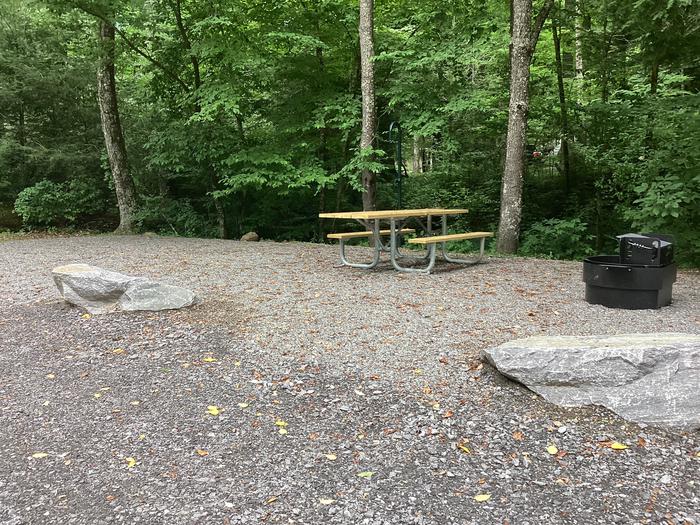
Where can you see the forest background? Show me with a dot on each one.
(243, 115)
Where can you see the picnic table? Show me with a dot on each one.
(371, 221)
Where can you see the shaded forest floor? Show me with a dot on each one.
(343, 396)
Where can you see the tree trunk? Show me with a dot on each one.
(369, 110)
(112, 130)
(578, 39)
(566, 164)
(21, 133)
(654, 80)
(523, 41)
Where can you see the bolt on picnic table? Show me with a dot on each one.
(371, 221)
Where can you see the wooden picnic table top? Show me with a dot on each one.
(392, 214)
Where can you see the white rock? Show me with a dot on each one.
(649, 378)
(101, 291)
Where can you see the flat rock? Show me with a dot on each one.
(101, 291)
(645, 378)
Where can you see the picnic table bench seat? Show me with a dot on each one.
(450, 237)
(358, 235)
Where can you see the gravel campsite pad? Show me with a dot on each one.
(299, 391)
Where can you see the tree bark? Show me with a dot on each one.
(523, 42)
(566, 163)
(578, 39)
(369, 110)
(112, 130)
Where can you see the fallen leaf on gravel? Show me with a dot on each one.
(326, 501)
(209, 360)
(50, 376)
(142, 437)
(97, 395)
(271, 500)
(552, 449)
(39, 455)
(464, 448)
(213, 410)
(281, 423)
(135, 402)
(201, 452)
(282, 431)
(367, 474)
(118, 351)
(418, 371)
(130, 462)
(448, 414)
(641, 442)
(427, 390)
(436, 406)
(242, 405)
(616, 445)
(482, 497)
(236, 363)
(518, 436)
(86, 316)
(331, 457)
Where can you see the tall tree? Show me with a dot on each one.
(563, 113)
(524, 36)
(369, 110)
(112, 129)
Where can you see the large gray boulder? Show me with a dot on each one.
(101, 291)
(645, 378)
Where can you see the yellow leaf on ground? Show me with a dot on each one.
(130, 462)
(464, 449)
(367, 474)
(482, 497)
(418, 371)
(552, 449)
(213, 410)
(97, 395)
(331, 457)
(50, 376)
(201, 452)
(326, 501)
(281, 423)
(39, 455)
(209, 360)
(86, 316)
(237, 363)
(118, 351)
(242, 405)
(135, 402)
(271, 500)
(618, 446)
(282, 431)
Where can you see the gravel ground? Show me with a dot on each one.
(344, 396)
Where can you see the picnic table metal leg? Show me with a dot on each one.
(460, 261)
(377, 250)
(394, 253)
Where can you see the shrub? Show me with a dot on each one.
(173, 217)
(558, 239)
(49, 203)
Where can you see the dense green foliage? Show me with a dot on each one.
(252, 108)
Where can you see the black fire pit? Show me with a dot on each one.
(613, 281)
